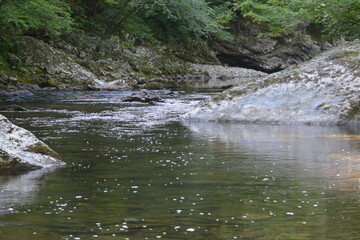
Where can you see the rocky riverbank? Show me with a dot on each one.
(81, 62)
(324, 90)
(58, 65)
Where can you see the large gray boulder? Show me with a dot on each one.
(325, 90)
(20, 149)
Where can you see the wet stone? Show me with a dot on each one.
(13, 107)
(142, 96)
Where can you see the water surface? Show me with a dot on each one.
(135, 172)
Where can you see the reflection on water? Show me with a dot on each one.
(320, 150)
(18, 189)
(127, 179)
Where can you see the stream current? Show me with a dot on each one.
(134, 171)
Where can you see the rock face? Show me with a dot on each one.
(20, 149)
(265, 54)
(62, 65)
(216, 76)
(55, 67)
(324, 90)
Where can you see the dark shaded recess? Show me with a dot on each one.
(4, 173)
(244, 62)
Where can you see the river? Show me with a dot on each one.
(135, 171)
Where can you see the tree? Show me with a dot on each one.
(146, 19)
(31, 17)
(335, 17)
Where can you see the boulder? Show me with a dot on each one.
(324, 90)
(20, 149)
(142, 96)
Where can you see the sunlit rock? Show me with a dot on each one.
(324, 90)
(20, 149)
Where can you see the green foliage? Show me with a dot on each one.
(31, 17)
(165, 20)
(336, 17)
(339, 17)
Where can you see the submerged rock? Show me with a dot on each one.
(20, 149)
(142, 96)
(13, 107)
(324, 90)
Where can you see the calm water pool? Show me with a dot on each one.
(135, 172)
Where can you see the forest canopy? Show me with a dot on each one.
(172, 20)
(331, 17)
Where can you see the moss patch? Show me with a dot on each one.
(153, 86)
(8, 162)
(43, 149)
(354, 111)
(13, 107)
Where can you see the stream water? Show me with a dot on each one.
(134, 171)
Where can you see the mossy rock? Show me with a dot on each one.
(8, 162)
(153, 85)
(13, 107)
(353, 113)
(43, 149)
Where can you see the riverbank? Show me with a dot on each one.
(46, 67)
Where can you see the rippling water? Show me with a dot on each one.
(135, 172)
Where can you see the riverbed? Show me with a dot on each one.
(137, 171)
